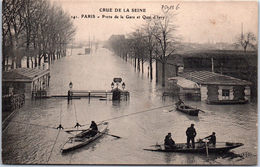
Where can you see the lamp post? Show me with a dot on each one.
(43, 85)
(123, 85)
(112, 85)
(69, 92)
(70, 85)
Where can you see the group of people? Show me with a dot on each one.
(169, 143)
(191, 133)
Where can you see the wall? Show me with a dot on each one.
(247, 92)
(231, 92)
(239, 92)
(28, 90)
(170, 71)
(204, 92)
(18, 87)
(213, 92)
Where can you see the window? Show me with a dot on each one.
(225, 94)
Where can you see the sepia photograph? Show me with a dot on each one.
(111, 82)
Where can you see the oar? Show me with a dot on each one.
(75, 130)
(68, 131)
(202, 111)
(110, 135)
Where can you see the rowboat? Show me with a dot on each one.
(188, 109)
(79, 140)
(220, 147)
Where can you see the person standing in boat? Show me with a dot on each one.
(212, 138)
(93, 129)
(191, 133)
(169, 143)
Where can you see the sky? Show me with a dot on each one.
(197, 21)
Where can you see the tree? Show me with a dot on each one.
(245, 41)
(138, 48)
(34, 29)
(12, 30)
(166, 41)
(149, 30)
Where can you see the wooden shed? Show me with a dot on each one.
(220, 89)
(25, 80)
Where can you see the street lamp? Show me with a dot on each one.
(43, 85)
(112, 85)
(71, 85)
(123, 85)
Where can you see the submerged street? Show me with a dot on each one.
(30, 136)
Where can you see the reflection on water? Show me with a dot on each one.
(136, 120)
(169, 157)
(190, 159)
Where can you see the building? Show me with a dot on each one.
(25, 81)
(186, 87)
(173, 66)
(220, 89)
(238, 64)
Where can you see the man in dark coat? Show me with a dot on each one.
(212, 138)
(169, 143)
(191, 133)
(93, 129)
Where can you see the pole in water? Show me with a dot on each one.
(69, 95)
(207, 149)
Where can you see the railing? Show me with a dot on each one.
(95, 93)
(39, 94)
(90, 93)
(12, 102)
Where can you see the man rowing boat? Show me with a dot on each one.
(212, 138)
(93, 129)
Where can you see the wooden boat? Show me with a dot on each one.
(220, 147)
(188, 109)
(227, 101)
(79, 140)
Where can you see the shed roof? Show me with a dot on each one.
(184, 83)
(206, 53)
(207, 77)
(24, 74)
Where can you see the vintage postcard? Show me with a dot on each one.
(112, 82)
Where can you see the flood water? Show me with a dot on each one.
(30, 136)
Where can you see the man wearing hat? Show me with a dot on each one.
(191, 133)
(169, 142)
(212, 138)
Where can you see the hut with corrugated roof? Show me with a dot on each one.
(27, 81)
(220, 89)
